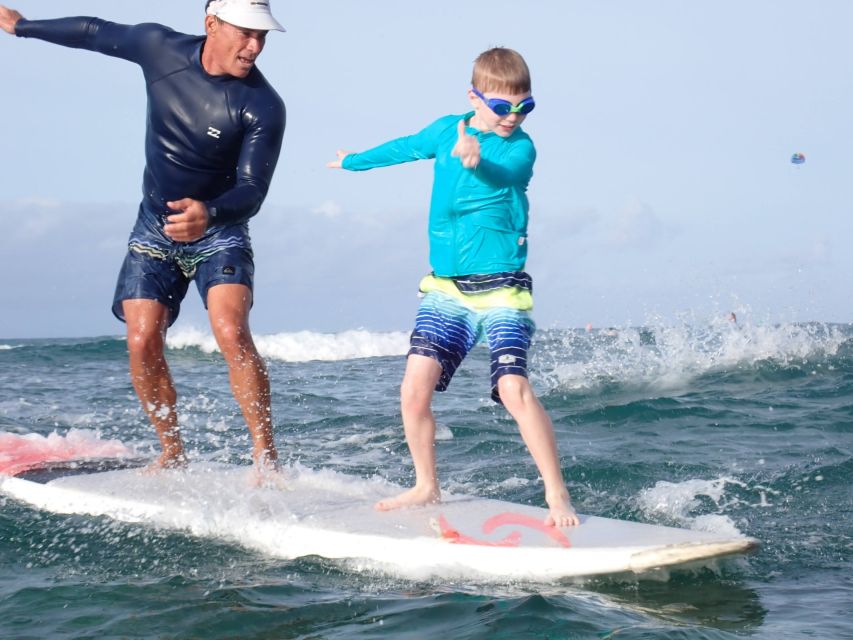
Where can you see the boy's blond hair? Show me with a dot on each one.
(502, 70)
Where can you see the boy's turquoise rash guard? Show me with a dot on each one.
(478, 217)
(211, 138)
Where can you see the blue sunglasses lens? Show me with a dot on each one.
(504, 108)
(526, 106)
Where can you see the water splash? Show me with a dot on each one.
(666, 357)
(305, 346)
(676, 502)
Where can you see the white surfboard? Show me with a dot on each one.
(328, 514)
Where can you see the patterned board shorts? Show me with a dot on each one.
(165, 279)
(446, 330)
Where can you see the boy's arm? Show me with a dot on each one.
(420, 146)
(515, 168)
(405, 149)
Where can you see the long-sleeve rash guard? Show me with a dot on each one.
(478, 217)
(211, 138)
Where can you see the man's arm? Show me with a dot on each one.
(129, 42)
(8, 19)
(255, 167)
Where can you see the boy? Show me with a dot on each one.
(477, 289)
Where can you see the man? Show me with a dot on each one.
(213, 137)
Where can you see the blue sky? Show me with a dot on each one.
(663, 184)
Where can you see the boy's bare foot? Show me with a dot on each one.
(561, 513)
(414, 497)
(163, 463)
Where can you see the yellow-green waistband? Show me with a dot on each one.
(511, 297)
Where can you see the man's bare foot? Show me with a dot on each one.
(561, 513)
(267, 475)
(414, 497)
(163, 463)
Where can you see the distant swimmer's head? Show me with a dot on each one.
(236, 35)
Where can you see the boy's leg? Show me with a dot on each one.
(147, 321)
(422, 375)
(538, 434)
(228, 308)
(443, 335)
(508, 333)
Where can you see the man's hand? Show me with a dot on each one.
(467, 148)
(190, 223)
(8, 19)
(337, 164)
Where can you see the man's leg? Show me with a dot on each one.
(147, 321)
(228, 308)
(422, 374)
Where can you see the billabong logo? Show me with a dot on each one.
(214, 133)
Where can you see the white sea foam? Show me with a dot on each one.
(512, 483)
(443, 432)
(676, 501)
(666, 357)
(304, 346)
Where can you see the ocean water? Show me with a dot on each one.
(709, 425)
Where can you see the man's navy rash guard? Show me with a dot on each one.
(211, 138)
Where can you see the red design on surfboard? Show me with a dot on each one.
(453, 535)
(18, 453)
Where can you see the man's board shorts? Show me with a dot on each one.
(458, 313)
(166, 278)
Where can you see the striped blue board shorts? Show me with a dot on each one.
(446, 330)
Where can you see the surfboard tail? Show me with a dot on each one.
(680, 554)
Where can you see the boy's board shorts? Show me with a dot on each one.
(458, 313)
(166, 278)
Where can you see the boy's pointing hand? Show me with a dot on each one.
(467, 148)
(337, 164)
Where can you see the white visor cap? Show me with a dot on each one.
(249, 14)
